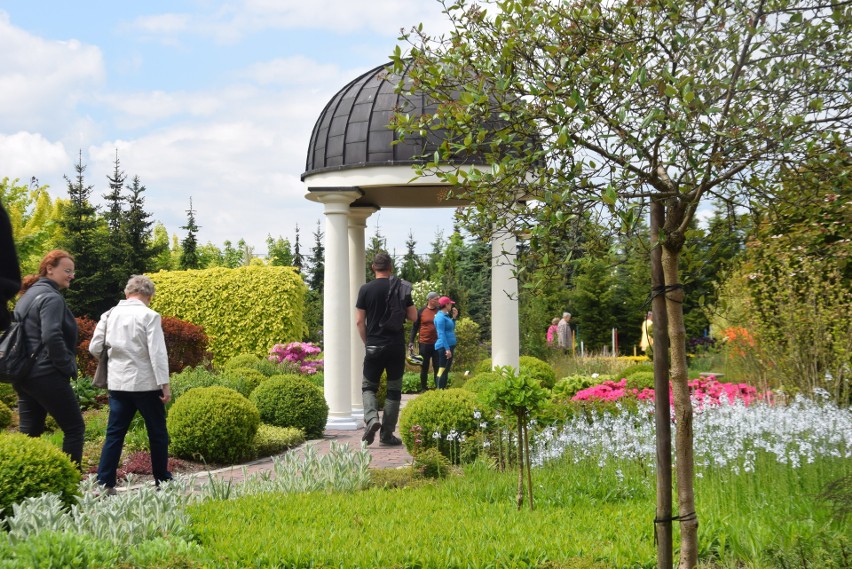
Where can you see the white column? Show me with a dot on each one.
(337, 310)
(357, 277)
(505, 331)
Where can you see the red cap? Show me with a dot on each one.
(445, 300)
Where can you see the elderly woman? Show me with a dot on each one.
(51, 329)
(137, 378)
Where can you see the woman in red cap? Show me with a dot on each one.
(445, 326)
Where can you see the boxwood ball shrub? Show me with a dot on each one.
(8, 395)
(215, 424)
(270, 440)
(480, 382)
(530, 366)
(438, 411)
(640, 380)
(190, 378)
(30, 467)
(631, 369)
(292, 401)
(246, 375)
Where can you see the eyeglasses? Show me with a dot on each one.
(68, 271)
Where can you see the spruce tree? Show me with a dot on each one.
(189, 256)
(317, 261)
(410, 269)
(298, 259)
(142, 251)
(83, 234)
(116, 248)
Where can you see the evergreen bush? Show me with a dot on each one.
(5, 415)
(567, 387)
(480, 382)
(190, 378)
(235, 306)
(631, 369)
(469, 349)
(263, 365)
(539, 370)
(249, 377)
(30, 467)
(8, 395)
(292, 401)
(215, 424)
(531, 367)
(640, 380)
(270, 440)
(433, 416)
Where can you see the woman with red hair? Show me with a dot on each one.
(52, 330)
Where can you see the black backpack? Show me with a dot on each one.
(16, 361)
(394, 317)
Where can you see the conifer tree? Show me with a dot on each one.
(298, 259)
(83, 234)
(410, 269)
(142, 251)
(317, 261)
(189, 256)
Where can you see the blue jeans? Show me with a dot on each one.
(444, 363)
(122, 408)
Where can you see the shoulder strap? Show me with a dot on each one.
(27, 311)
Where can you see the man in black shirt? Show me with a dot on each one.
(385, 350)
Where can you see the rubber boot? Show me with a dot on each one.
(389, 418)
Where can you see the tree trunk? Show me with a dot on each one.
(520, 463)
(527, 461)
(683, 413)
(662, 409)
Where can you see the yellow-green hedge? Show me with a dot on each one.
(243, 311)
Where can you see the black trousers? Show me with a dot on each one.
(429, 355)
(38, 396)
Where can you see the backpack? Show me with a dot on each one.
(394, 317)
(15, 359)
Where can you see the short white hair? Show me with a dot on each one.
(566, 315)
(141, 285)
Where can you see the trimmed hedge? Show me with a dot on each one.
(245, 310)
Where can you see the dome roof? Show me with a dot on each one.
(352, 131)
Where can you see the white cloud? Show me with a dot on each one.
(24, 155)
(43, 80)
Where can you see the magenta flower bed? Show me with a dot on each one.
(705, 391)
(297, 353)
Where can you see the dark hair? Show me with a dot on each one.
(50, 260)
(382, 262)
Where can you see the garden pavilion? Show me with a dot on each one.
(356, 165)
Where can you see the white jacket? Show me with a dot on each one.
(136, 347)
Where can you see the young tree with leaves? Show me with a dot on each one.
(278, 252)
(605, 104)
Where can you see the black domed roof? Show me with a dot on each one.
(352, 131)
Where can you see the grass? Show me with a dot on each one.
(585, 516)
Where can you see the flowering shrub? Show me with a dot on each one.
(298, 353)
(704, 391)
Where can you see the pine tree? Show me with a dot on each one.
(137, 232)
(189, 257)
(317, 261)
(83, 234)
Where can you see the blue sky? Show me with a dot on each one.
(208, 99)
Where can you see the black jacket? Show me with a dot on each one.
(52, 323)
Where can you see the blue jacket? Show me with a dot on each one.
(446, 328)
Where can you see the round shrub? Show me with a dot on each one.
(215, 424)
(640, 380)
(539, 370)
(480, 382)
(567, 387)
(270, 440)
(439, 411)
(250, 377)
(292, 401)
(530, 366)
(5, 415)
(30, 467)
(252, 361)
